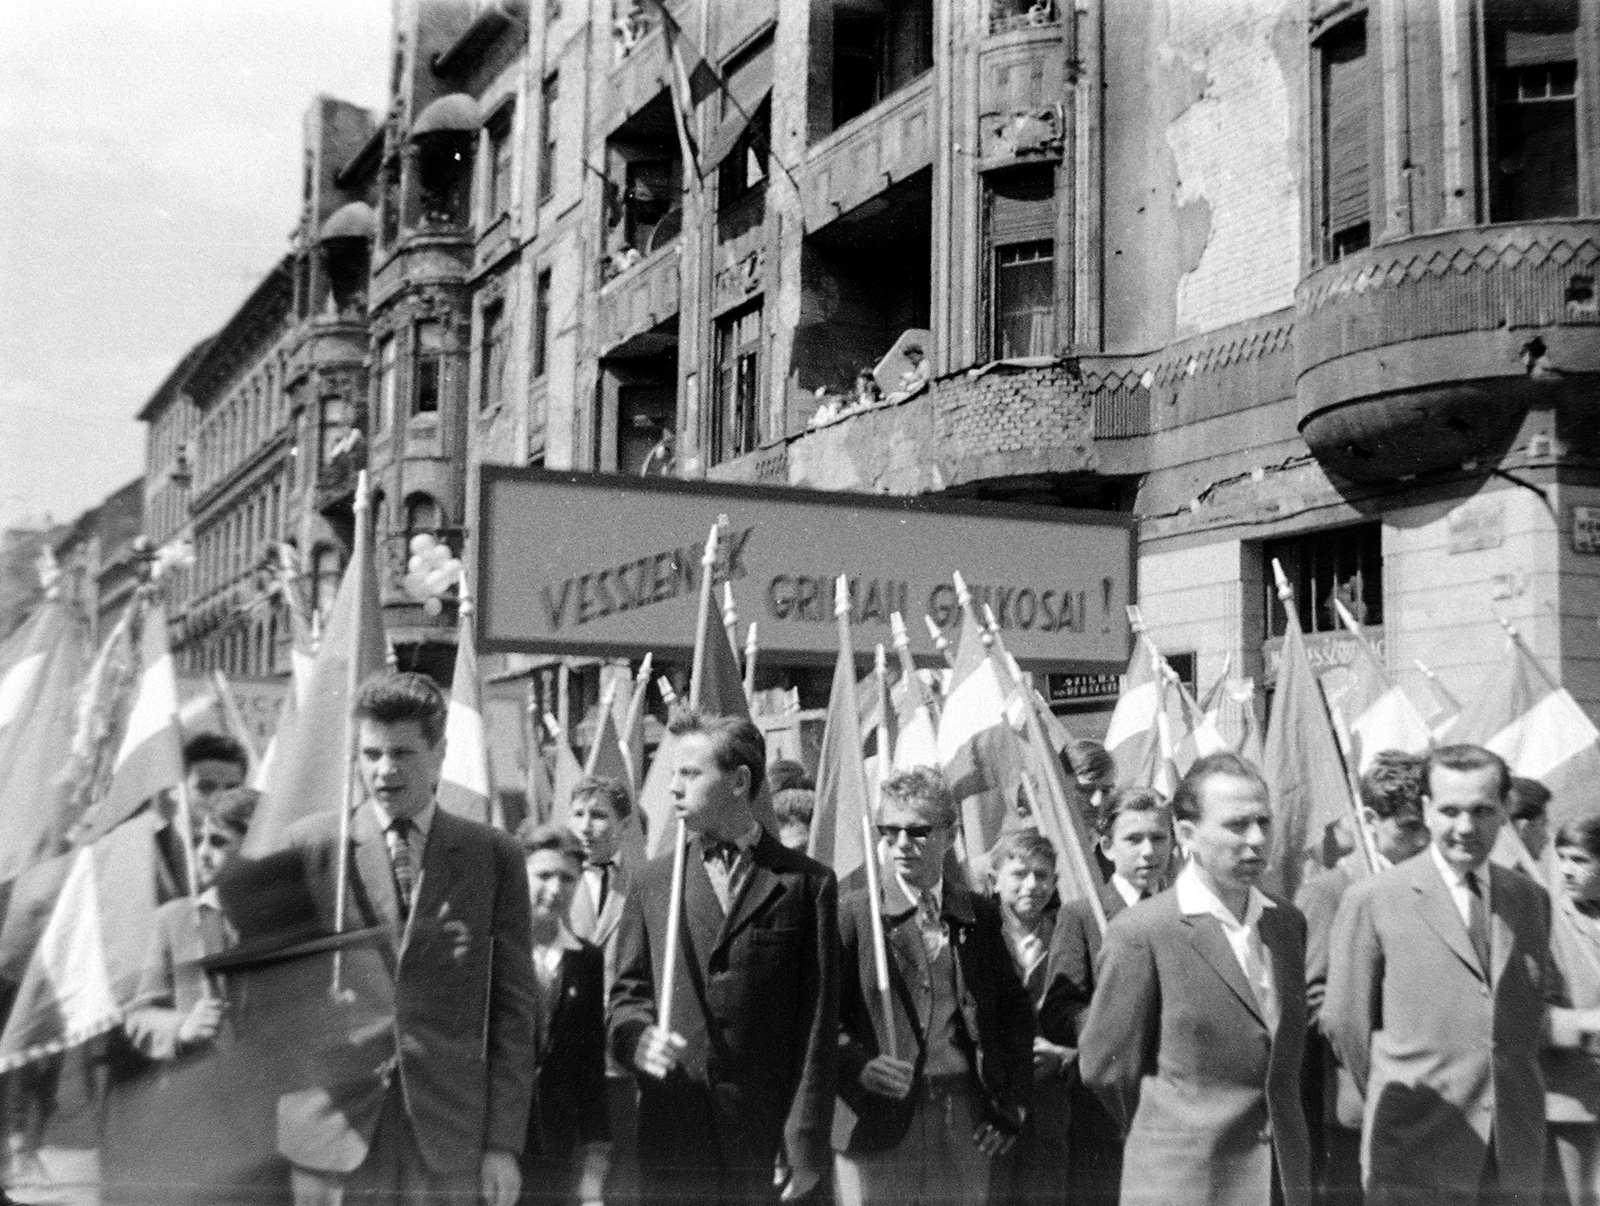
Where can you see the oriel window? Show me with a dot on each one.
(429, 379)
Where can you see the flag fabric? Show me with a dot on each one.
(1539, 729)
(1446, 707)
(606, 756)
(1241, 707)
(632, 736)
(917, 742)
(464, 784)
(1373, 713)
(977, 748)
(1157, 766)
(44, 663)
(1128, 735)
(691, 78)
(150, 757)
(721, 683)
(1310, 791)
(85, 967)
(566, 772)
(312, 765)
(101, 714)
(843, 797)
(654, 805)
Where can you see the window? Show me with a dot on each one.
(745, 165)
(734, 411)
(857, 64)
(423, 514)
(386, 384)
(1533, 135)
(645, 415)
(389, 203)
(429, 380)
(1022, 286)
(1344, 564)
(547, 137)
(492, 356)
(1345, 193)
(541, 324)
(500, 165)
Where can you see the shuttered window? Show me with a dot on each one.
(1346, 140)
(1022, 272)
(1533, 135)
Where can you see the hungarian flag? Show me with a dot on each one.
(977, 749)
(1446, 707)
(313, 763)
(43, 664)
(917, 742)
(844, 802)
(85, 966)
(1133, 719)
(464, 785)
(1373, 713)
(150, 757)
(1311, 798)
(1538, 728)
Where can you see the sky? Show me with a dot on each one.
(149, 178)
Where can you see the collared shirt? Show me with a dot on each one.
(1456, 882)
(1026, 942)
(598, 878)
(930, 919)
(1195, 898)
(1130, 894)
(547, 976)
(421, 823)
(726, 878)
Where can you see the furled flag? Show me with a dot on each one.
(843, 798)
(39, 678)
(464, 785)
(1311, 798)
(150, 758)
(1373, 713)
(85, 967)
(1538, 728)
(312, 768)
(977, 749)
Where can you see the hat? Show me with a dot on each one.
(269, 904)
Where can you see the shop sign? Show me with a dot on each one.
(609, 565)
(1586, 529)
(1083, 688)
(1324, 650)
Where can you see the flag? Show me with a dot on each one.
(1133, 719)
(39, 679)
(977, 749)
(464, 785)
(566, 772)
(1373, 713)
(150, 757)
(719, 678)
(1242, 705)
(843, 799)
(1447, 708)
(917, 743)
(691, 79)
(1538, 728)
(312, 765)
(632, 739)
(1304, 772)
(86, 964)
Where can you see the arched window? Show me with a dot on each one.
(423, 514)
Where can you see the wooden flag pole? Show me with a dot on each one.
(363, 516)
(680, 844)
(940, 641)
(1364, 842)
(751, 647)
(730, 615)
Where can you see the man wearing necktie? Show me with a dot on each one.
(1135, 828)
(1438, 985)
(1194, 1038)
(433, 1107)
(924, 1126)
(755, 1004)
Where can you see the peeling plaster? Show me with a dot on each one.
(1234, 145)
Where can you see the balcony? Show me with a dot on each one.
(1426, 353)
(864, 157)
(638, 301)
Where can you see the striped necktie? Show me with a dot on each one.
(403, 859)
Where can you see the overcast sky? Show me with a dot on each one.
(149, 177)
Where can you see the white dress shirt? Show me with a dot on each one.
(1456, 882)
(1130, 894)
(1195, 898)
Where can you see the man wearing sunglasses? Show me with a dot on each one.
(921, 1119)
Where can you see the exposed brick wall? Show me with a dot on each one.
(1028, 420)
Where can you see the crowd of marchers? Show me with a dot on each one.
(1418, 1026)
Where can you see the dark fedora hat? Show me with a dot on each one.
(269, 904)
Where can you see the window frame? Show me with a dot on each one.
(549, 98)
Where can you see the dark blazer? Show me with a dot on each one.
(1176, 1047)
(461, 1036)
(1443, 1051)
(1070, 969)
(997, 1017)
(1339, 1102)
(569, 1079)
(756, 997)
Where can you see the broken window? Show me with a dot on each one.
(1022, 283)
(1345, 193)
(734, 411)
(1533, 125)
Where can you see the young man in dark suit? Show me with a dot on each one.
(437, 1103)
(1195, 1034)
(569, 1139)
(755, 1001)
(1135, 829)
(1439, 977)
(924, 1126)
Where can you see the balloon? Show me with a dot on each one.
(422, 542)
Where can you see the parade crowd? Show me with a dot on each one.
(1425, 1033)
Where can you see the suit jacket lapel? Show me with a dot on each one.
(1278, 941)
(372, 863)
(702, 912)
(1205, 932)
(1501, 935)
(616, 896)
(760, 884)
(441, 864)
(1438, 909)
